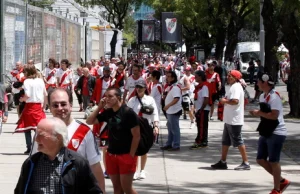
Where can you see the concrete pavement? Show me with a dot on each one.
(179, 172)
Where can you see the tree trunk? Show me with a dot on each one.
(232, 36)
(113, 44)
(220, 42)
(271, 35)
(291, 31)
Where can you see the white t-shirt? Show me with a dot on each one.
(130, 85)
(35, 89)
(276, 104)
(60, 73)
(156, 92)
(146, 100)
(203, 93)
(234, 114)
(88, 147)
(174, 92)
(46, 73)
(112, 68)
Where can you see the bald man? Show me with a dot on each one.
(85, 86)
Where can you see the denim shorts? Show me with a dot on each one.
(232, 134)
(270, 147)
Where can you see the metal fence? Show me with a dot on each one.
(46, 34)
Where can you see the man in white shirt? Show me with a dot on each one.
(131, 82)
(81, 138)
(270, 143)
(234, 121)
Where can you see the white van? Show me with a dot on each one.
(245, 51)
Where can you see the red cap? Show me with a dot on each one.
(236, 74)
(151, 65)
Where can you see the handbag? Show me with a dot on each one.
(148, 110)
(266, 127)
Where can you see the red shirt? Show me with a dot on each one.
(93, 71)
(212, 79)
(85, 88)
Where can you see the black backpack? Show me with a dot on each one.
(147, 137)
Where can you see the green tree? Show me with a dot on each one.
(43, 3)
(129, 30)
(117, 10)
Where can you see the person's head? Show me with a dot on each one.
(107, 62)
(52, 63)
(93, 62)
(188, 70)
(200, 76)
(121, 66)
(51, 136)
(30, 62)
(57, 65)
(86, 72)
(19, 65)
(30, 71)
(64, 64)
(136, 70)
(171, 77)
(106, 72)
(79, 71)
(233, 76)
(60, 102)
(258, 62)
(151, 67)
(155, 75)
(211, 65)
(113, 97)
(88, 64)
(265, 82)
(141, 88)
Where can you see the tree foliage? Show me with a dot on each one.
(117, 11)
(42, 3)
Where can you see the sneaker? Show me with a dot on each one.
(195, 146)
(166, 147)
(211, 118)
(274, 191)
(284, 185)
(27, 152)
(243, 166)
(174, 149)
(184, 117)
(220, 165)
(203, 145)
(142, 174)
(192, 125)
(105, 175)
(136, 176)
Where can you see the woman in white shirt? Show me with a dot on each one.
(35, 98)
(136, 104)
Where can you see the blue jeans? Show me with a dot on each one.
(173, 130)
(28, 139)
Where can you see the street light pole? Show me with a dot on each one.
(262, 35)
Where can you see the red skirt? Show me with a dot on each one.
(30, 117)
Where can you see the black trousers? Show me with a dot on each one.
(202, 126)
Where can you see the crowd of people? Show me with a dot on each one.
(115, 93)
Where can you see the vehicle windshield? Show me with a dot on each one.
(246, 56)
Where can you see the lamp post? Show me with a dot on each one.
(262, 35)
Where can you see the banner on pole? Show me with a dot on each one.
(146, 31)
(171, 28)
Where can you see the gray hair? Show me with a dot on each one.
(59, 127)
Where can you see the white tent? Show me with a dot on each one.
(282, 48)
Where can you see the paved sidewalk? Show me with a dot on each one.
(180, 172)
